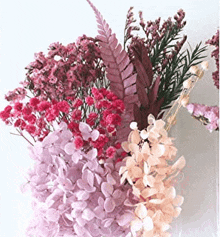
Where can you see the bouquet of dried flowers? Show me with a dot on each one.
(96, 115)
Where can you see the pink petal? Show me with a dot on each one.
(92, 154)
(136, 172)
(88, 214)
(69, 217)
(98, 178)
(108, 222)
(178, 201)
(81, 222)
(136, 225)
(95, 135)
(69, 148)
(49, 139)
(170, 193)
(125, 219)
(99, 212)
(148, 223)
(85, 130)
(52, 215)
(76, 157)
(82, 195)
(78, 229)
(179, 164)
(101, 201)
(117, 194)
(107, 189)
(90, 178)
(110, 179)
(141, 211)
(109, 205)
(177, 211)
(78, 205)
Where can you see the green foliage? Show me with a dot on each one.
(176, 72)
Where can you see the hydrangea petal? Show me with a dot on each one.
(88, 214)
(95, 135)
(110, 179)
(107, 222)
(82, 195)
(148, 223)
(125, 219)
(136, 225)
(107, 189)
(178, 201)
(179, 164)
(52, 215)
(79, 230)
(109, 205)
(69, 148)
(141, 211)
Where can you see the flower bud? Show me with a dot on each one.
(194, 69)
(187, 84)
(133, 125)
(200, 74)
(205, 65)
(185, 101)
(172, 119)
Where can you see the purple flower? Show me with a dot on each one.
(76, 196)
(208, 115)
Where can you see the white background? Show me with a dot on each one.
(29, 26)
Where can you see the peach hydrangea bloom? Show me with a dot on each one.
(149, 170)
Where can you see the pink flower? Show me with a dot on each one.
(44, 105)
(87, 132)
(18, 106)
(34, 102)
(63, 106)
(78, 142)
(89, 100)
(77, 103)
(110, 152)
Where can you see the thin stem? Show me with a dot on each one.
(21, 134)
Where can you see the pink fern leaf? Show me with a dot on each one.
(119, 69)
(154, 90)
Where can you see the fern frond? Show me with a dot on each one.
(119, 68)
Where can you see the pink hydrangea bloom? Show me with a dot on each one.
(208, 115)
(75, 195)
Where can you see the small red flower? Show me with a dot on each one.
(63, 106)
(34, 102)
(76, 114)
(113, 119)
(44, 105)
(18, 106)
(26, 110)
(110, 152)
(30, 129)
(77, 103)
(78, 142)
(89, 100)
(8, 109)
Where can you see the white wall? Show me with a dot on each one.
(30, 26)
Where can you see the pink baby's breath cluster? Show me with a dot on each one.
(207, 115)
(65, 69)
(75, 195)
(214, 41)
(101, 110)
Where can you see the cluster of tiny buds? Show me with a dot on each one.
(183, 100)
